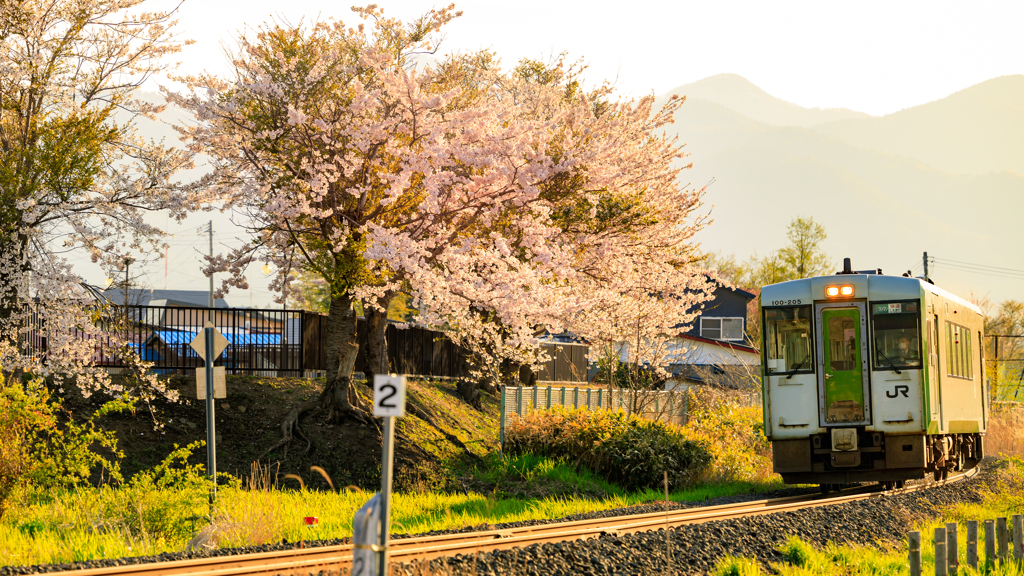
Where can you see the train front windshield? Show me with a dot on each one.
(787, 339)
(897, 335)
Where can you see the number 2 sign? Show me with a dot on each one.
(388, 395)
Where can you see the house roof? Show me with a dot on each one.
(183, 337)
(741, 291)
(159, 297)
(722, 343)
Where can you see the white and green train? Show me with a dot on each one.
(871, 378)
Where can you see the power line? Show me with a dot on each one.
(983, 272)
(934, 259)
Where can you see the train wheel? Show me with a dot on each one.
(824, 488)
(900, 483)
(937, 475)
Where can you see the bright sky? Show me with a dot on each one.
(871, 56)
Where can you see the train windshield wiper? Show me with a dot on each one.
(891, 363)
(798, 366)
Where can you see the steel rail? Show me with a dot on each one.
(300, 560)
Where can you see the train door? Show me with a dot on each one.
(843, 386)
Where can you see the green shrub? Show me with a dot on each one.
(165, 501)
(40, 448)
(627, 450)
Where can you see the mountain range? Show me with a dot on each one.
(946, 177)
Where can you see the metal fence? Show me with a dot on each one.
(278, 342)
(670, 406)
(516, 402)
(260, 342)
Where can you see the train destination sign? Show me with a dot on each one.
(896, 308)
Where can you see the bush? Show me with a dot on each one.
(164, 501)
(735, 434)
(627, 450)
(22, 414)
(40, 448)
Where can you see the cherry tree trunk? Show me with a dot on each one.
(339, 397)
(376, 340)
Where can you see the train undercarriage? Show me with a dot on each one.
(856, 455)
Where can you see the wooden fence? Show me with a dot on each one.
(947, 547)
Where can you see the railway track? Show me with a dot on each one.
(334, 558)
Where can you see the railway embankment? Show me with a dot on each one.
(702, 548)
(689, 549)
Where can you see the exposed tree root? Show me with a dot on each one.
(290, 425)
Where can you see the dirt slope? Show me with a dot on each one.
(248, 423)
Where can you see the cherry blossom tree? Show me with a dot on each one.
(507, 202)
(73, 172)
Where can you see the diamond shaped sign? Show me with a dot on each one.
(199, 342)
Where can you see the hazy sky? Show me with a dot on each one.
(874, 57)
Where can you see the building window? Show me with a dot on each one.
(721, 328)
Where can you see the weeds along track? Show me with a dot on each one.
(405, 550)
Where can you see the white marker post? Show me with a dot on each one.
(209, 343)
(388, 403)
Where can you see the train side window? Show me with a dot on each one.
(949, 349)
(968, 357)
(931, 340)
(897, 331)
(787, 339)
(956, 349)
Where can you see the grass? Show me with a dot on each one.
(91, 523)
(802, 558)
(168, 511)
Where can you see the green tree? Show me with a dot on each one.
(804, 257)
(74, 173)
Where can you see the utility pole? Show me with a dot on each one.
(127, 279)
(925, 257)
(210, 230)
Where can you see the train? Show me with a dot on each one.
(873, 378)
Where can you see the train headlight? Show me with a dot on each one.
(833, 291)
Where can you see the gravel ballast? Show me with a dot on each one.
(697, 548)
(694, 548)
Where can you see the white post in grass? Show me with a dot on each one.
(1001, 538)
(941, 569)
(952, 548)
(972, 544)
(1018, 538)
(914, 539)
(990, 542)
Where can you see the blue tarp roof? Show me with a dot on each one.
(179, 337)
(147, 354)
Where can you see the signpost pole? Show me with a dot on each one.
(386, 474)
(211, 432)
(388, 403)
